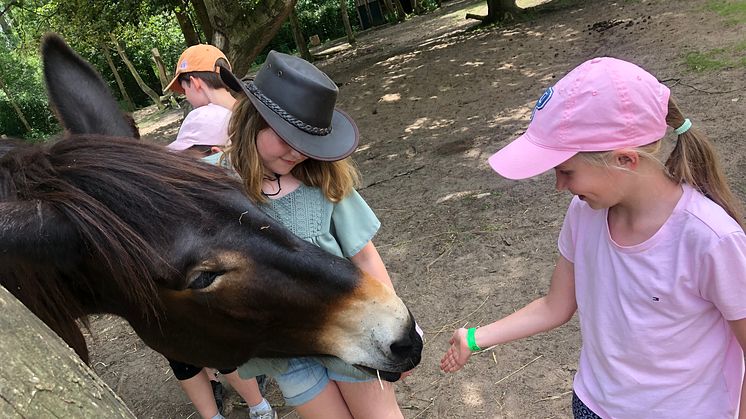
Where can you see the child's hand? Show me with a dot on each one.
(457, 354)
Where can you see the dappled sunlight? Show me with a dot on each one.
(391, 97)
(473, 63)
(472, 395)
(363, 147)
(422, 123)
(511, 115)
(463, 194)
(440, 46)
(417, 124)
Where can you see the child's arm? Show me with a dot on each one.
(368, 260)
(553, 310)
(739, 329)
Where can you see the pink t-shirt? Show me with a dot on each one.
(654, 316)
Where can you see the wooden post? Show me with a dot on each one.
(346, 21)
(400, 14)
(359, 16)
(42, 376)
(15, 107)
(163, 74)
(367, 11)
(300, 40)
(117, 77)
(145, 88)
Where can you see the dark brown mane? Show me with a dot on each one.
(103, 199)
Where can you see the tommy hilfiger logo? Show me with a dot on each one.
(542, 101)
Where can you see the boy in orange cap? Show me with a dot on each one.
(204, 132)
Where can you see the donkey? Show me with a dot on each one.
(99, 222)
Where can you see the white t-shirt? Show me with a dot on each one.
(654, 316)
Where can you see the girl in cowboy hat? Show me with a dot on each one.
(652, 254)
(291, 146)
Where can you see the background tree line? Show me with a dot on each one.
(118, 38)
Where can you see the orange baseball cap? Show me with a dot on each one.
(202, 57)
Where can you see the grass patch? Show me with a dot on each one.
(707, 61)
(732, 56)
(733, 10)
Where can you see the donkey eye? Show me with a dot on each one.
(205, 279)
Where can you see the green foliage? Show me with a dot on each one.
(21, 76)
(316, 17)
(139, 25)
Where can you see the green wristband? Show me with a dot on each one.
(471, 340)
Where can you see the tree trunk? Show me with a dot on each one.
(497, 10)
(117, 77)
(204, 19)
(187, 28)
(346, 22)
(155, 97)
(18, 112)
(300, 40)
(247, 31)
(42, 376)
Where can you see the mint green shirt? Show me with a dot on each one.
(341, 228)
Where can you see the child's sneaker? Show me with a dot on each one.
(264, 414)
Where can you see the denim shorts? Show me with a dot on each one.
(305, 378)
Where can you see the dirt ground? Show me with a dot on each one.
(433, 99)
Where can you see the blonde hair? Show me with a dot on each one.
(335, 179)
(693, 160)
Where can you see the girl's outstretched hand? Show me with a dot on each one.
(457, 354)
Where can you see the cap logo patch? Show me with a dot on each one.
(183, 65)
(543, 100)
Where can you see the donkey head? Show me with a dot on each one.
(100, 222)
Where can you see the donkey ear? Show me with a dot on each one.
(82, 100)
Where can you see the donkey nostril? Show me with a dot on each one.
(402, 348)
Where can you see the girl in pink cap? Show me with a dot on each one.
(652, 253)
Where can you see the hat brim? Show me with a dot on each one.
(338, 144)
(174, 86)
(523, 159)
(179, 145)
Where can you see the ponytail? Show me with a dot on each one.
(694, 161)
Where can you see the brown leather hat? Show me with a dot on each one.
(297, 101)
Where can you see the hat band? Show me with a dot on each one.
(286, 116)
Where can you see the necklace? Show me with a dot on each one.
(271, 179)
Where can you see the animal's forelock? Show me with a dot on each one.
(140, 182)
(122, 196)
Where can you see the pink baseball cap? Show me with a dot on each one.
(206, 125)
(603, 104)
